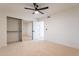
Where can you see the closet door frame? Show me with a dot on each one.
(20, 27)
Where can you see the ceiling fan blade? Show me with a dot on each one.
(43, 8)
(40, 12)
(29, 8)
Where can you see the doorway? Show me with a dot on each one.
(38, 30)
(14, 29)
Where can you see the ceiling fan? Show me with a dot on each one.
(36, 9)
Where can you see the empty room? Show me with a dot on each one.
(39, 29)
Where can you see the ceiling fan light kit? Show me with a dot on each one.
(36, 12)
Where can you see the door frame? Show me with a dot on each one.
(32, 30)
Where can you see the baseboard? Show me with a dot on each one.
(67, 45)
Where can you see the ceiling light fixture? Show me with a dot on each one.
(36, 12)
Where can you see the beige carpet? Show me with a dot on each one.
(37, 48)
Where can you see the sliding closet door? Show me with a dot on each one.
(14, 30)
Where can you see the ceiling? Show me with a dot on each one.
(18, 8)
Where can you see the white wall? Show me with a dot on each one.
(3, 37)
(27, 30)
(63, 28)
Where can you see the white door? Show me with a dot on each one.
(38, 30)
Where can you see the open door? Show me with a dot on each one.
(38, 30)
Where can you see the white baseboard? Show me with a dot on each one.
(65, 44)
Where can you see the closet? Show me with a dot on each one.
(14, 30)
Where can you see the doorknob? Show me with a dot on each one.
(33, 31)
